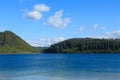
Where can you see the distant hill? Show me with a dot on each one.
(11, 43)
(41, 49)
(86, 45)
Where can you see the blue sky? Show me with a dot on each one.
(44, 22)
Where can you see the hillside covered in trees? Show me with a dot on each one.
(11, 43)
(86, 45)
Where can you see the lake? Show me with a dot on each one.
(60, 67)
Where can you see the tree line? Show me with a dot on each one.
(85, 45)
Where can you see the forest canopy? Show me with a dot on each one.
(85, 45)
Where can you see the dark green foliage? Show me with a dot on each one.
(86, 45)
(11, 43)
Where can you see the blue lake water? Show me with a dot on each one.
(60, 67)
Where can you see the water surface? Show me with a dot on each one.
(60, 67)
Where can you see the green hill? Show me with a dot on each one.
(86, 45)
(11, 43)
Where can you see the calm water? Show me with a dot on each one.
(60, 67)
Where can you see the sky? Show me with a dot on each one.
(45, 22)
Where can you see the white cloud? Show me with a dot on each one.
(44, 42)
(57, 21)
(41, 8)
(36, 13)
(109, 35)
(95, 26)
(114, 34)
(59, 39)
(81, 29)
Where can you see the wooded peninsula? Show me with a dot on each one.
(85, 45)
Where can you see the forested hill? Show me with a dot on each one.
(86, 45)
(11, 43)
